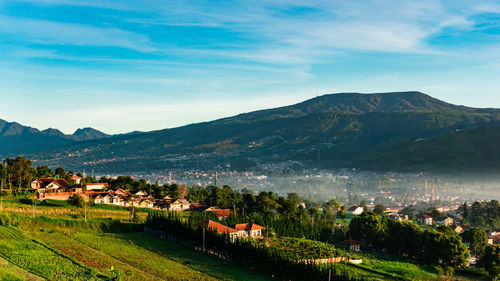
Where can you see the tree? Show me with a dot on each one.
(379, 209)
(477, 240)
(370, 228)
(61, 173)
(19, 172)
(491, 257)
(76, 200)
(44, 172)
(446, 230)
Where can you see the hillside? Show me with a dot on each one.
(476, 149)
(18, 139)
(329, 131)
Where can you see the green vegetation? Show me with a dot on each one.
(344, 128)
(40, 259)
(474, 149)
(424, 246)
(9, 276)
(485, 215)
(60, 248)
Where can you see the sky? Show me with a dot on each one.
(121, 66)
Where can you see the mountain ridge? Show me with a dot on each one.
(19, 139)
(340, 127)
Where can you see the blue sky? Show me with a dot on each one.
(121, 66)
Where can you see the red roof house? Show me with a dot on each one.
(250, 229)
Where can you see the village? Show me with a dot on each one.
(100, 193)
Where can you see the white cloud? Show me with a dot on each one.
(49, 32)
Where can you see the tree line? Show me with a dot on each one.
(244, 252)
(409, 240)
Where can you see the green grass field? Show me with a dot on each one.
(38, 259)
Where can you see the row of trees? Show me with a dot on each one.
(18, 173)
(245, 252)
(483, 214)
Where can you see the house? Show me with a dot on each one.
(107, 199)
(121, 192)
(179, 205)
(198, 207)
(220, 213)
(97, 199)
(218, 228)
(446, 222)
(355, 210)
(77, 179)
(95, 186)
(494, 239)
(117, 200)
(353, 245)
(141, 193)
(163, 203)
(249, 229)
(457, 228)
(50, 184)
(424, 219)
(146, 203)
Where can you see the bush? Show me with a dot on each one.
(76, 200)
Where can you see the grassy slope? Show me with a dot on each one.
(137, 256)
(40, 260)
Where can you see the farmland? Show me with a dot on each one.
(57, 244)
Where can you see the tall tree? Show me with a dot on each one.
(477, 239)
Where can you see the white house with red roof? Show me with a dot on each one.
(249, 229)
(50, 184)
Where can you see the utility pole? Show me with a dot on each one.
(329, 275)
(85, 209)
(203, 240)
(215, 179)
(34, 204)
(1, 195)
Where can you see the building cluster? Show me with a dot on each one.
(60, 189)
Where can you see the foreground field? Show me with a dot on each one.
(60, 245)
(70, 249)
(38, 259)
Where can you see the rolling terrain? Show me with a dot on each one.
(332, 131)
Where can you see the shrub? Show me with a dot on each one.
(76, 200)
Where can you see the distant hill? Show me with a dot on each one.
(18, 139)
(88, 134)
(476, 149)
(336, 130)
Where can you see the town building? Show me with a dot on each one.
(353, 245)
(446, 222)
(355, 210)
(95, 186)
(50, 185)
(179, 205)
(424, 219)
(249, 229)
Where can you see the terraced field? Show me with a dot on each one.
(136, 256)
(40, 260)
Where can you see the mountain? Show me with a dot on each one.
(335, 130)
(477, 149)
(17, 139)
(88, 134)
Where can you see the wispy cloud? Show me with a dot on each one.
(58, 33)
